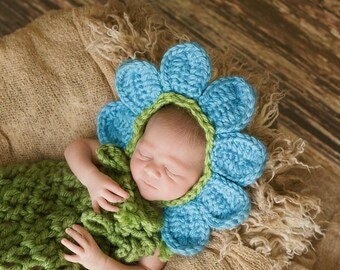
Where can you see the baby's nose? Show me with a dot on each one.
(153, 170)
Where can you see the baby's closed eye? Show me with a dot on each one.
(144, 156)
(170, 172)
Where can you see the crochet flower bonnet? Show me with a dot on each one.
(222, 108)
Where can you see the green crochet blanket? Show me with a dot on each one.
(38, 201)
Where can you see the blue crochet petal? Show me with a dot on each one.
(224, 203)
(239, 157)
(229, 103)
(114, 124)
(186, 69)
(138, 84)
(184, 230)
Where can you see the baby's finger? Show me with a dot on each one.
(72, 258)
(81, 230)
(107, 206)
(72, 247)
(76, 235)
(112, 198)
(95, 207)
(116, 189)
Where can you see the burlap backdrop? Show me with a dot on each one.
(58, 71)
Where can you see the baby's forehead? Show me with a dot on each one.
(173, 139)
(178, 119)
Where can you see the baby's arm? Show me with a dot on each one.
(88, 254)
(81, 158)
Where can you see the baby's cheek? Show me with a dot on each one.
(181, 190)
(186, 185)
(134, 167)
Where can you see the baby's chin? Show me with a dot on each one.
(148, 195)
(151, 195)
(155, 196)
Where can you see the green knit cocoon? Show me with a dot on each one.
(39, 201)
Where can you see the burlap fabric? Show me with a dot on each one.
(58, 71)
(51, 90)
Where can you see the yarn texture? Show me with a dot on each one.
(223, 109)
(39, 201)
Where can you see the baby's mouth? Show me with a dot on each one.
(149, 185)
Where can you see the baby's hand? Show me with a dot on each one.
(87, 252)
(104, 191)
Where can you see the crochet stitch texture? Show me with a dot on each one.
(39, 201)
(223, 108)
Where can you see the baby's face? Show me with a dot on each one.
(164, 165)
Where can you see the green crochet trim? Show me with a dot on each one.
(39, 201)
(192, 106)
